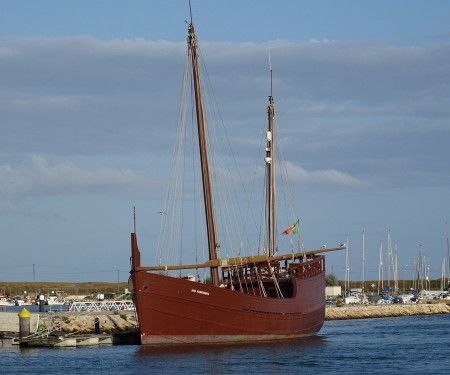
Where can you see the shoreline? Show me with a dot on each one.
(384, 311)
(79, 323)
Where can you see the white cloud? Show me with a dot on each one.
(324, 177)
(75, 96)
(37, 176)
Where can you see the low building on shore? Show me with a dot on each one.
(333, 291)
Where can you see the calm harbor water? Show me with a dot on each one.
(34, 308)
(407, 345)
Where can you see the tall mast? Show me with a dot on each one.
(270, 166)
(380, 269)
(448, 255)
(347, 269)
(363, 262)
(389, 249)
(207, 192)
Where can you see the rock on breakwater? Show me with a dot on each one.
(384, 311)
(108, 323)
(82, 323)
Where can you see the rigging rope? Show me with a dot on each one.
(225, 175)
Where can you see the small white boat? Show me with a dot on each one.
(4, 301)
(429, 294)
(356, 298)
(54, 300)
(407, 297)
(19, 301)
(349, 300)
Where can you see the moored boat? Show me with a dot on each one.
(251, 298)
(5, 301)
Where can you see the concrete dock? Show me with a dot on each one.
(72, 329)
(69, 341)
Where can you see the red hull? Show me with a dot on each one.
(177, 311)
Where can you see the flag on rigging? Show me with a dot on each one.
(293, 229)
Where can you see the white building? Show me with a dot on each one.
(332, 291)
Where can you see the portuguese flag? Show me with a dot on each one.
(293, 229)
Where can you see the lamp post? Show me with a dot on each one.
(118, 280)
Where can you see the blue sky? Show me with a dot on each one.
(233, 21)
(362, 91)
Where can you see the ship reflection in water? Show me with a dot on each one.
(263, 348)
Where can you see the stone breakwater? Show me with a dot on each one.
(79, 323)
(384, 311)
(82, 323)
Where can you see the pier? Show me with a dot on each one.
(70, 329)
(101, 306)
(71, 341)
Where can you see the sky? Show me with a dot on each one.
(89, 96)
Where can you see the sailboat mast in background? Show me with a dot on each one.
(270, 173)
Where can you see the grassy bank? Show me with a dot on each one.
(34, 288)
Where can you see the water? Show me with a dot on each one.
(410, 345)
(34, 308)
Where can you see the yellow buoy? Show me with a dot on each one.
(24, 313)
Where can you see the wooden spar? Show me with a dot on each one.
(236, 261)
(207, 192)
(270, 165)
